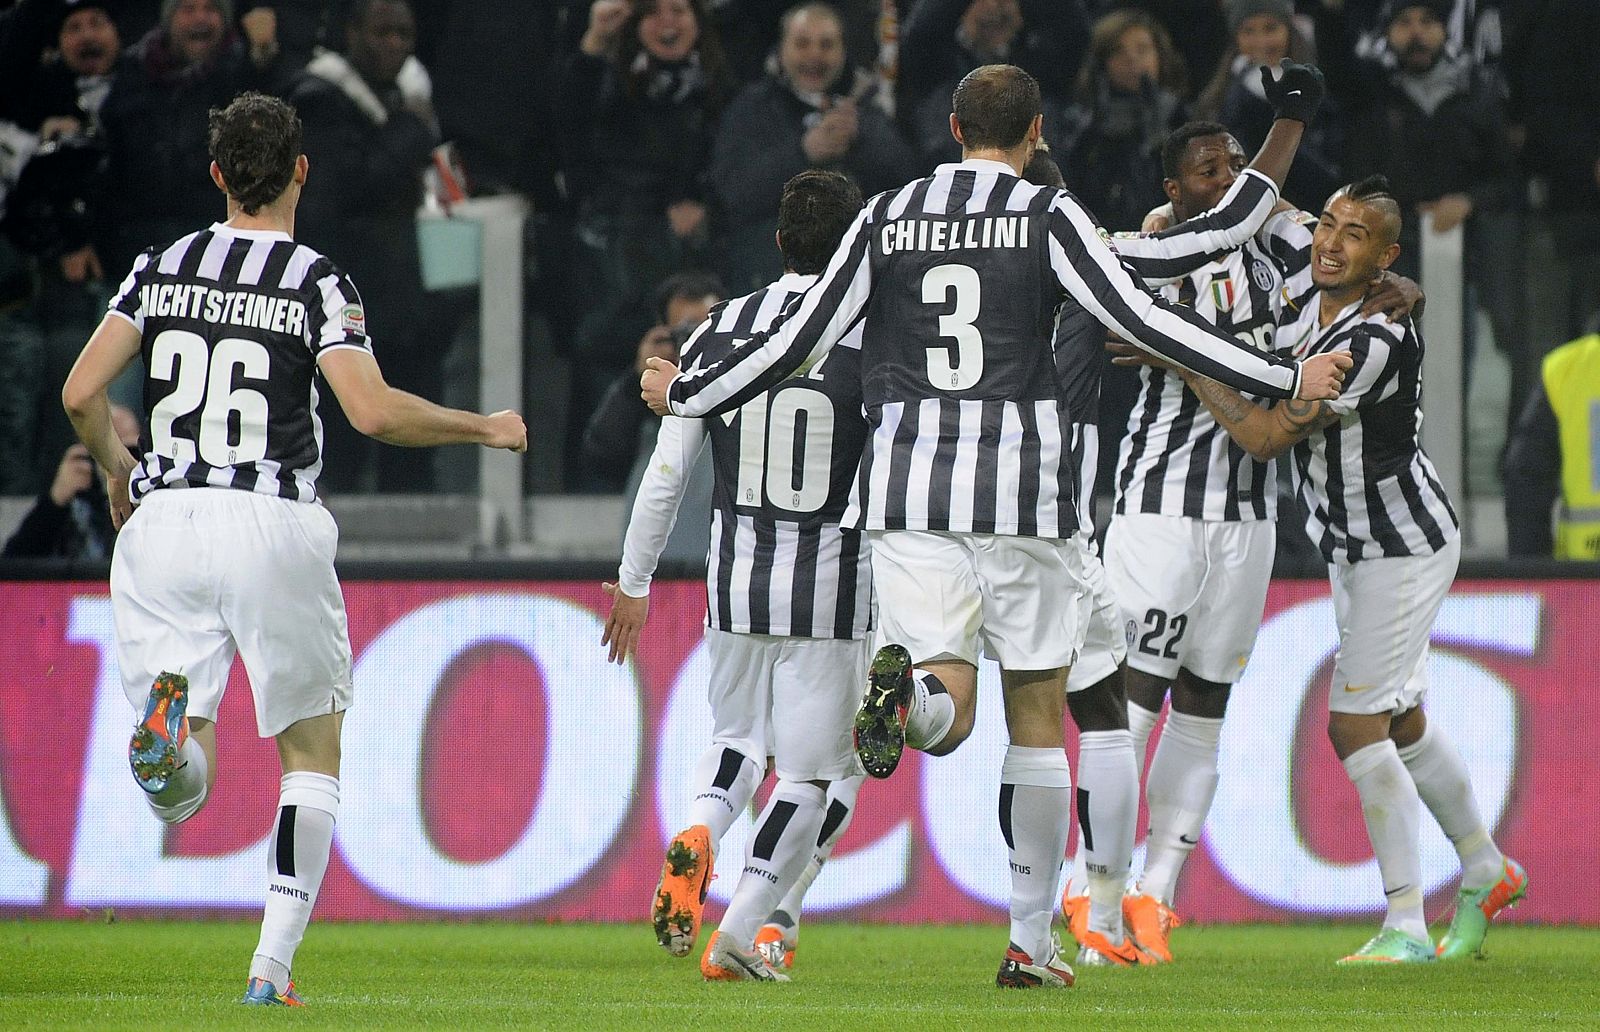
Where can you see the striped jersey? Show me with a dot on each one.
(232, 323)
(781, 561)
(1175, 459)
(1366, 484)
(955, 282)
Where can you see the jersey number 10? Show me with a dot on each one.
(204, 375)
(777, 465)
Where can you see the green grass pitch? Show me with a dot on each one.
(138, 974)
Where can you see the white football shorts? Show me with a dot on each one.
(795, 698)
(1104, 645)
(1022, 600)
(1191, 591)
(201, 573)
(1386, 608)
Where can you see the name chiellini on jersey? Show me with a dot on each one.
(1368, 488)
(232, 322)
(781, 560)
(1175, 460)
(969, 431)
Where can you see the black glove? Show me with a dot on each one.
(1296, 93)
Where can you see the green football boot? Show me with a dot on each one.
(1475, 908)
(1392, 946)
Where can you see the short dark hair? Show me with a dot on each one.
(994, 106)
(1376, 192)
(1178, 142)
(693, 283)
(815, 211)
(255, 141)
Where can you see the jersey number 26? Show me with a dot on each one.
(204, 375)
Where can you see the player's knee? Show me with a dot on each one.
(960, 730)
(1103, 706)
(177, 812)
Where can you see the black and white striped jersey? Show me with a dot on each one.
(781, 561)
(232, 324)
(1366, 484)
(1175, 460)
(956, 282)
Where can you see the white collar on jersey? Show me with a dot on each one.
(976, 165)
(794, 282)
(250, 234)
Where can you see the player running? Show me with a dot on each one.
(1377, 512)
(224, 546)
(1190, 547)
(789, 608)
(967, 486)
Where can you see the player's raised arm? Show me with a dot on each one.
(1094, 276)
(1168, 256)
(799, 338)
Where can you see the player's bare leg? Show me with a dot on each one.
(297, 854)
(1035, 815)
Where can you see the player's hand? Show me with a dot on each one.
(117, 498)
(1297, 91)
(653, 383)
(1321, 376)
(506, 430)
(73, 476)
(606, 19)
(1448, 211)
(1125, 354)
(1393, 296)
(1157, 219)
(623, 623)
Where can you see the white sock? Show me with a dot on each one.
(1108, 811)
(838, 808)
(724, 781)
(1446, 789)
(1035, 793)
(186, 790)
(931, 713)
(1179, 790)
(297, 856)
(1393, 812)
(1140, 723)
(779, 847)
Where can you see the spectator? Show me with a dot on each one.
(72, 518)
(641, 97)
(749, 30)
(809, 113)
(1554, 453)
(1436, 125)
(943, 40)
(1205, 34)
(60, 293)
(1263, 34)
(155, 120)
(621, 432)
(1128, 99)
(369, 135)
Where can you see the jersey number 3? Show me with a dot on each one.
(937, 283)
(204, 375)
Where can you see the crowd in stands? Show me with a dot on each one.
(652, 137)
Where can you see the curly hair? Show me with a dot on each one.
(255, 141)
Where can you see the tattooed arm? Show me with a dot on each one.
(1265, 433)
